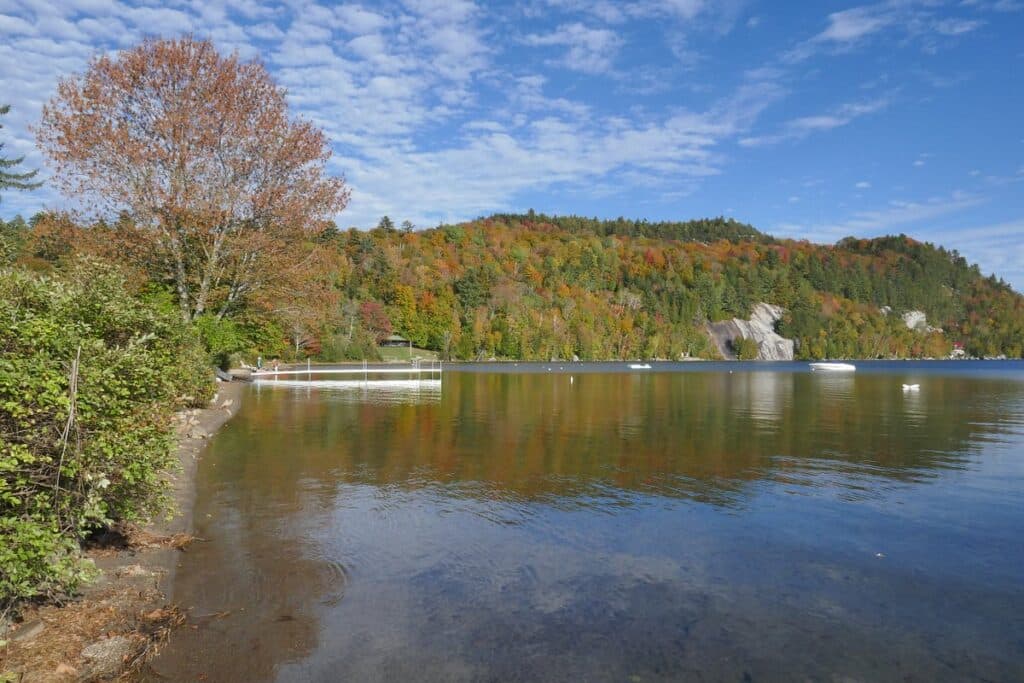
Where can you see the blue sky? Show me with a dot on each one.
(809, 120)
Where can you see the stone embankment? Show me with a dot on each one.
(760, 328)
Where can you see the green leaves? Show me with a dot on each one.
(61, 478)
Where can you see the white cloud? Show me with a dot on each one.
(801, 127)
(371, 46)
(863, 185)
(853, 24)
(358, 20)
(13, 26)
(687, 9)
(265, 31)
(590, 50)
(915, 20)
(896, 216)
(380, 82)
(956, 27)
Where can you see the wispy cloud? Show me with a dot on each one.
(956, 27)
(854, 24)
(801, 127)
(913, 19)
(895, 216)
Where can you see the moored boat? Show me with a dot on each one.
(834, 367)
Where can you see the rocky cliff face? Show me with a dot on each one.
(760, 328)
(916, 320)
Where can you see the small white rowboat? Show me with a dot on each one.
(834, 367)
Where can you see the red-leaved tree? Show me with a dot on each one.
(221, 186)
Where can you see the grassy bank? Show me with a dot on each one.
(404, 353)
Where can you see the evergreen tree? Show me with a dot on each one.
(10, 180)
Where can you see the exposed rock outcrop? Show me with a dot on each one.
(918, 321)
(760, 328)
(915, 320)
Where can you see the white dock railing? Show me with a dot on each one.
(416, 368)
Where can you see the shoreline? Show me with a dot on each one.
(116, 622)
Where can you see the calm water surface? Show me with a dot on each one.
(591, 524)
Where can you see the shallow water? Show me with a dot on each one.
(587, 523)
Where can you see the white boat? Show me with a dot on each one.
(834, 367)
(911, 387)
(639, 366)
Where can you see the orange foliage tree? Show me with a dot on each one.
(222, 187)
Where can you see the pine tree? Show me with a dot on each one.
(16, 181)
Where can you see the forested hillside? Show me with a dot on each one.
(538, 287)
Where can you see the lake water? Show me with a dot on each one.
(718, 522)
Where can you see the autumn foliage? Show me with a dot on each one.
(217, 186)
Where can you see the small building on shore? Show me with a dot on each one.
(394, 340)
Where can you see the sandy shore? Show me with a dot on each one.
(119, 620)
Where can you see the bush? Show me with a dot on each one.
(89, 378)
(222, 338)
(362, 346)
(745, 349)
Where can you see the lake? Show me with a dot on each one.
(556, 522)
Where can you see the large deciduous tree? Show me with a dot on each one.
(222, 187)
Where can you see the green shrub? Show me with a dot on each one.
(745, 349)
(222, 338)
(362, 346)
(89, 378)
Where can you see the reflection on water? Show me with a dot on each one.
(377, 391)
(611, 526)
